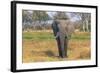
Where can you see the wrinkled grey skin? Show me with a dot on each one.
(66, 27)
(62, 31)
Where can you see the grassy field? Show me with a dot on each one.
(41, 46)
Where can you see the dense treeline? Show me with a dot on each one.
(40, 20)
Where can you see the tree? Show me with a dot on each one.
(61, 15)
(85, 19)
(40, 17)
(26, 19)
(27, 16)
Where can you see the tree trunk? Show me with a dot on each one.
(83, 26)
(87, 26)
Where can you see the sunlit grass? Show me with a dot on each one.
(50, 36)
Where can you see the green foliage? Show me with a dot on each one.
(40, 16)
(61, 15)
(26, 16)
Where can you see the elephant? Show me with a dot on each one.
(62, 30)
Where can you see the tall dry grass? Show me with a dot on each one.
(36, 50)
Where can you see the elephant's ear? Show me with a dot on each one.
(55, 27)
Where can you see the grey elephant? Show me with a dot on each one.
(62, 31)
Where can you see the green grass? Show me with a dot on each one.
(38, 36)
(49, 36)
(81, 37)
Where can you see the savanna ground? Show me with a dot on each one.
(41, 46)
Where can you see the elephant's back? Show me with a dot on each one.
(66, 26)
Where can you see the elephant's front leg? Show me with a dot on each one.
(62, 44)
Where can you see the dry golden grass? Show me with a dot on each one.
(41, 51)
